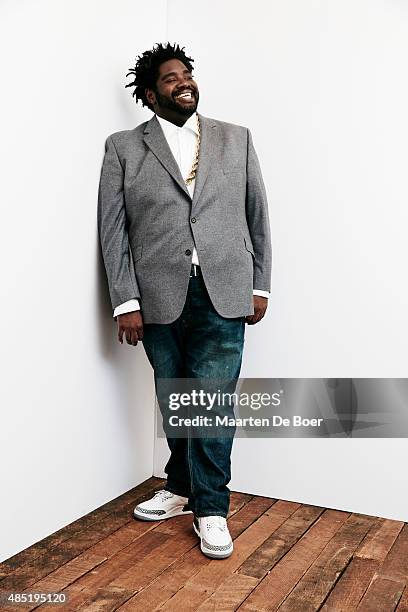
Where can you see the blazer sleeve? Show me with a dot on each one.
(112, 229)
(258, 220)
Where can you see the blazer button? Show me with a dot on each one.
(193, 220)
(188, 252)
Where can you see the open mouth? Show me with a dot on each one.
(185, 96)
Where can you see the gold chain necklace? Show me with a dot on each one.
(193, 171)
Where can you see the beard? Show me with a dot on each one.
(174, 105)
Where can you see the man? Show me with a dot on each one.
(185, 236)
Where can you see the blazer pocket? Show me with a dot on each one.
(248, 245)
(137, 253)
(231, 169)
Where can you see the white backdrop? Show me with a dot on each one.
(321, 85)
(77, 418)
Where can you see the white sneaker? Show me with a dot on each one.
(162, 505)
(215, 537)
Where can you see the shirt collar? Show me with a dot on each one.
(170, 128)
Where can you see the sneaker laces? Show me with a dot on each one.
(218, 522)
(163, 494)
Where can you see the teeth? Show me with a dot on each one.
(186, 94)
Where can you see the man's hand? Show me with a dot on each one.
(260, 306)
(130, 324)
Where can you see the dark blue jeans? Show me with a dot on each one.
(199, 344)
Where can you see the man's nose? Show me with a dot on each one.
(183, 81)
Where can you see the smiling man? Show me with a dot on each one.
(184, 230)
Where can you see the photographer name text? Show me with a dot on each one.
(226, 421)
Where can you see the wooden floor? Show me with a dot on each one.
(287, 556)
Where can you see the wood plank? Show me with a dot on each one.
(203, 584)
(55, 583)
(317, 582)
(379, 540)
(169, 582)
(276, 586)
(139, 573)
(39, 549)
(63, 576)
(382, 594)
(403, 602)
(238, 501)
(30, 573)
(248, 514)
(151, 566)
(266, 556)
(395, 565)
(68, 573)
(284, 508)
(131, 558)
(351, 585)
(106, 599)
(176, 576)
(230, 594)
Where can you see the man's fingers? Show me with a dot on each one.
(260, 306)
(132, 334)
(256, 317)
(131, 325)
(252, 319)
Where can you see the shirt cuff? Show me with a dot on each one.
(261, 292)
(128, 306)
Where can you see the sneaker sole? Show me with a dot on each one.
(145, 517)
(210, 553)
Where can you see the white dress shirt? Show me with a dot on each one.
(182, 142)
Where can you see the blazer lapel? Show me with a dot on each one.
(207, 154)
(157, 143)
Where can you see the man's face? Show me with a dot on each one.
(176, 91)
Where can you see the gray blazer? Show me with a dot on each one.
(148, 223)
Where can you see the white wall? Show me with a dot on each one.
(77, 418)
(322, 86)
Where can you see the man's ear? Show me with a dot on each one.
(150, 95)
